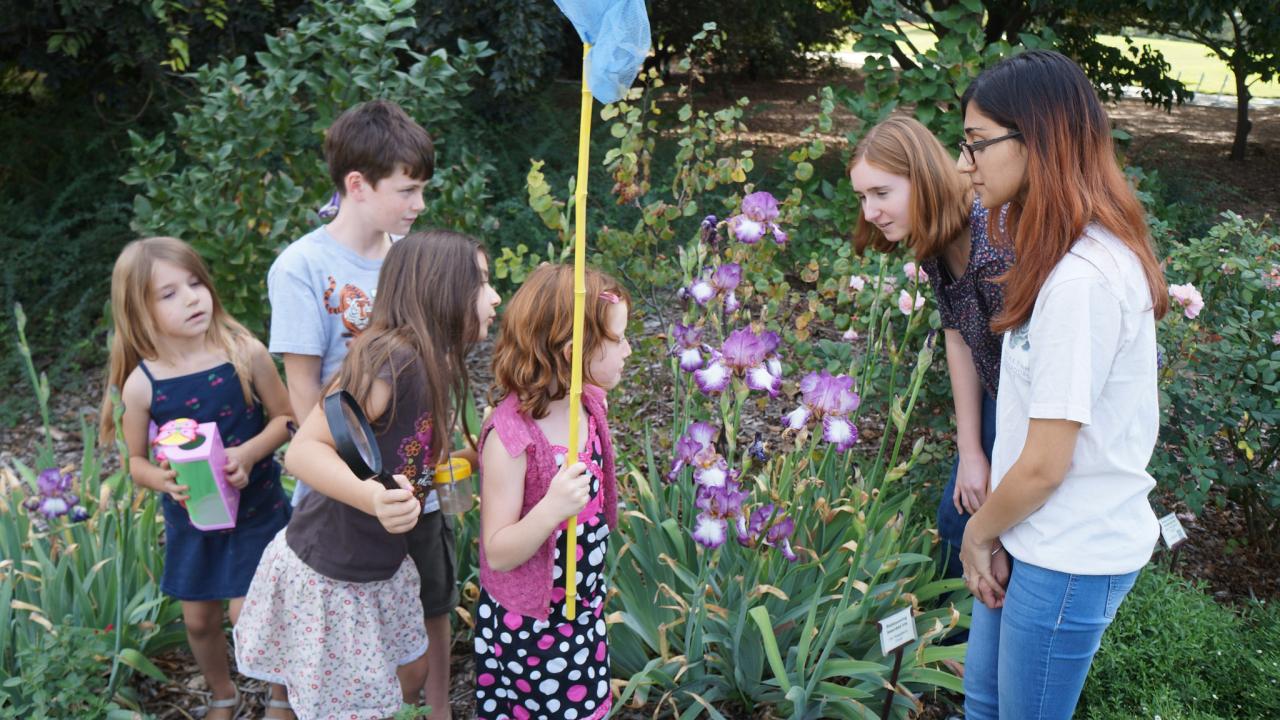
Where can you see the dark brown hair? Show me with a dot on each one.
(374, 139)
(940, 195)
(1072, 176)
(134, 332)
(425, 313)
(529, 358)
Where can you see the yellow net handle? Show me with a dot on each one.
(579, 306)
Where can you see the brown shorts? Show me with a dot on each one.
(431, 545)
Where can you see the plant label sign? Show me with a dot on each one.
(897, 630)
(1171, 530)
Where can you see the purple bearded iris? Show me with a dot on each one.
(710, 231)
(696, 439)
(828, 399)
(747, 355)
(777, 534)
(719, 505)
(722, 283)
(759, 211)
(688, 346)
(725, 280)
(53, 499)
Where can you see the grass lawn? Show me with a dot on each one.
(1191, 63)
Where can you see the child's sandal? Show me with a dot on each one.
(273, 704)
(233, 703)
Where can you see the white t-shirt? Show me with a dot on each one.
(1087, 354)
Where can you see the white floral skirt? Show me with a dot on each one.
(335, 645)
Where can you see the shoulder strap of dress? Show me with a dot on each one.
(143, 365)
(511, 427)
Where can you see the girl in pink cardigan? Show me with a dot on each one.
(531, 661)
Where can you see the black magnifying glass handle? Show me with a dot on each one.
(387, 480)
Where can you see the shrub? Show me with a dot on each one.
(1173, 652)
(242, 174)
(62, 673)
(526, 37)
(770, 38)
(66, 217)
(1221, 373)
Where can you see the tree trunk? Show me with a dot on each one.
(1243, 125)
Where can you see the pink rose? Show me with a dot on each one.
(1189, 298)
(905, 302)
(915, 273)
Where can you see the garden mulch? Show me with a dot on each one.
(1189, 143)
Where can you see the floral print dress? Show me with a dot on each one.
(557, 668)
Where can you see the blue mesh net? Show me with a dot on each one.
(618, 31)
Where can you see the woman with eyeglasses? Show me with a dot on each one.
(911, 194)
(1067, 521)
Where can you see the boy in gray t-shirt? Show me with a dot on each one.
(322, 287)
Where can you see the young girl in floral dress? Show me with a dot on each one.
(532, 661)
(334, 611)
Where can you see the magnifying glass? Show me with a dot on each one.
(354, 438)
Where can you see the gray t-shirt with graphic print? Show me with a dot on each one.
(321, 296)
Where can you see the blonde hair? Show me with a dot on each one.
(134, 334)
(939, 199)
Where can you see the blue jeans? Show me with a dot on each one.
(951, 523)
(1028, 660)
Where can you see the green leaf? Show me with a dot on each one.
(761, 615)
(139, 662)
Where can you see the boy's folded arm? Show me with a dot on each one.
(275, 401)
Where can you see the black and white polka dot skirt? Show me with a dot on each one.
(526, 668)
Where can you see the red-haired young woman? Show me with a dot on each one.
(1067, 526)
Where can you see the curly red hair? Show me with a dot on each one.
(530, 357)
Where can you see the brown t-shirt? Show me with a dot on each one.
(344, 543)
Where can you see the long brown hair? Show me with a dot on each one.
(529, 358)
(134, 328)
(425, 312)
(1072, 176)
(940, 195)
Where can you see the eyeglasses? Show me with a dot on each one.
(968, 149)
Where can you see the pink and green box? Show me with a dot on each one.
(195, 452)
